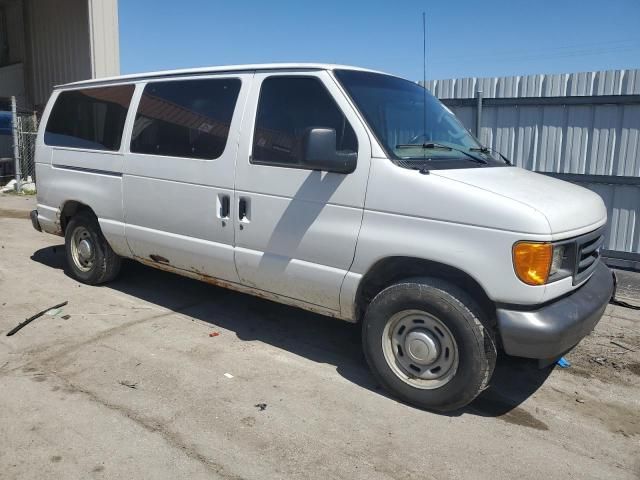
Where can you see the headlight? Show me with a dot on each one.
(563, 261)
(557, 259)
(538, 263)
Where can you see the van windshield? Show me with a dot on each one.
(411, 124)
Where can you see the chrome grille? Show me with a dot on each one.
(587, 254)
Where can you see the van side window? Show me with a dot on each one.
(186, 118)
(91, 118)
(287, 108)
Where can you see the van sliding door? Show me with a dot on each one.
(179, 173)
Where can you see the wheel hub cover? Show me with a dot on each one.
(422, 347)
(84, 249)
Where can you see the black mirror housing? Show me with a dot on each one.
(319, 152)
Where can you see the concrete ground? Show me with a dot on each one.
(126, 381)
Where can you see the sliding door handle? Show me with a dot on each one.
(225, 205)
(242, 209)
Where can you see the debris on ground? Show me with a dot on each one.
(65, 317)
(18, 327)
(129, 384)
(228, 375)
(27, 186)
(53, 312)
(261, 406)
(622, 303)
(622, 346)
(563, 363)
(214, 334)
(9, 187)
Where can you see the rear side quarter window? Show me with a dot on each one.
(91, 118)
(185, 118)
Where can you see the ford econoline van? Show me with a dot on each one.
(340, 190)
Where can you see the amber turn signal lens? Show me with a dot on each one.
(532, 262)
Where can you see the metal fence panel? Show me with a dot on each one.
(606, 82)
(622, 209)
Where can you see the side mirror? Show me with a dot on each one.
(319, 152)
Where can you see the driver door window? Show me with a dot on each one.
(287, 108)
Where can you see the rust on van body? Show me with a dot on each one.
(203, 277)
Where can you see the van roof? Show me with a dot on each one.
(213, 69)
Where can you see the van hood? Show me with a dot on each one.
(567, 207)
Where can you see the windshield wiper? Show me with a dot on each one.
(431, 146)
(488, 150)
(439, 146)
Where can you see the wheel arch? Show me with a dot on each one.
(71, 208)
(390, 270)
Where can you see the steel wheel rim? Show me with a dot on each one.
(82, 249)
(420, 349)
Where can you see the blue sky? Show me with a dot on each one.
(464, 37)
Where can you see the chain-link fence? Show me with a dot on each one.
(27, 131)
(17, 150)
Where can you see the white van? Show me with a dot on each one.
(340, 190)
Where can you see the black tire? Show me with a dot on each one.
(105, 264)
(476, 350)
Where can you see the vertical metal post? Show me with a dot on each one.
(16, 145)
(479, 115)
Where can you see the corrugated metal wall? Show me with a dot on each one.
(69, 40)
(12, 83)
(597, 134)
(58, 39)
(608, 82)
(15, 37)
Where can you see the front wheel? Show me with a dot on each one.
(426, 342)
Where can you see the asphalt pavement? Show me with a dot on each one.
(157, 376)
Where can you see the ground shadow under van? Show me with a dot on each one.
(315, 337)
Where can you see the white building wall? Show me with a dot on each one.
(105, 47)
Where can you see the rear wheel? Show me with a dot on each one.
(426, 342)
(90, 259)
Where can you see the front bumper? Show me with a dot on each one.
(34, 220)
(553, 329)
